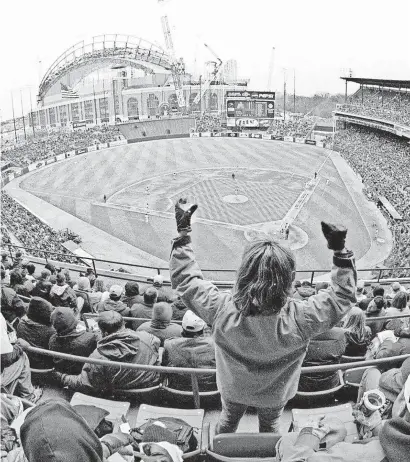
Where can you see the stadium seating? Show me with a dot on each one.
(141, 129)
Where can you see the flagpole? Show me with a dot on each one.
(95, 103)
(32, 119)
(14, 118)
(105, 101)
(22, 113)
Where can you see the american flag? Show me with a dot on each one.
(67, 92)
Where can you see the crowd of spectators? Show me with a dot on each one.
(383, 162)
(384, 104)
(231, 331)
(208, 123)
(58, 142)
(298, 127)
(31, 232)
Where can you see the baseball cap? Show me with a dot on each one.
(192, 323)
(396, 286)
(116, 290)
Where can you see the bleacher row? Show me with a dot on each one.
(142, 129)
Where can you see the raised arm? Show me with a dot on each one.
(201, 296)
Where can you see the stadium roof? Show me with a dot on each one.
(379, 82)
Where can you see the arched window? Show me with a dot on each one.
(173, 102)
(193, 107)
(132, 108)
(152, 104)
(214, 102)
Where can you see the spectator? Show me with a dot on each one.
(50, 267)
(160, 324)
(398, 308)
(358, 335)
(360, 292)
(27, 282)
(99, 290)
(321, 286)
(192, 349)
(395, 289)
(5, 263)
(178, 309)
(15, 367)
(36, 329)
(164, 295)
(83, 291)
(114, 303)
(12, 306)
(31, 269)
(324, 349)
(61, 294)
(17, 283)
(256, 316)
(376, 310)
(68, 340)
(144, 309)
(117, 344)
(91, 276)
(43, 286)
(132, 294)
(18, 259)
(54, 431)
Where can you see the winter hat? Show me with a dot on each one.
(61, 279)
(192, 323)
(158, 280)
(396, 286)
(162, 312)
(63, 320)
(378, 290)
(363, 304)
(39, 310)
(116, 290)
(360, 285)
(132, 288)
(83, 283)
(306, 283)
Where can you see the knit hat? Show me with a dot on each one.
(396, 286)
(158, 280)
(39, 310)
(83, 283)
(116, 290)
(192, 323)
(306, 283)
(132, 288)
(63, 320)
(162, 312)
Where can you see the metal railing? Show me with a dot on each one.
(194, 373)
(91, 262)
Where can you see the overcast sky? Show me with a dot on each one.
(317, 38)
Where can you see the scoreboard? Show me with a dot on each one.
(250, 108)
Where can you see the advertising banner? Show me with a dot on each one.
(103, 145)
(117, 143)
(245, 135)
(195, 135)
(266, 137)
(206, 134)
(312, 142)
(257, 135)
(288, 138)
(92, 148)
(300, 140)
(25, 170)
(60, 157)
(233, 134)
(259, 95)
(217, 134)
(70, 153)
(278, 138)
(50, 161)
(320, 144)
(80, 151)
(81, 124)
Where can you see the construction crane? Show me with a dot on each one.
(178, 66)
(214, 76)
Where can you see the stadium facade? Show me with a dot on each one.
(72, 93)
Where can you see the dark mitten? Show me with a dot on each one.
(183, 217)
(116, 441)
(335, 235)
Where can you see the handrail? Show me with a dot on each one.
(128, 318)
(115, 274)
(191, 370)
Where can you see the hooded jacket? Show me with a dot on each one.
(36, 329)
(259, 358)
(123, 346)
(68, 340)
(395, 439)
(303, 293)
(63, 296)
(42, 289)
(114, 305)
(54, 432)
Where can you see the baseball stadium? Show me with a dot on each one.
(96, 239)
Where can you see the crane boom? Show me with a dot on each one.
(215, 74)
(178, 67)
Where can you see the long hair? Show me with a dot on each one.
(355, 326)
(264, 278)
